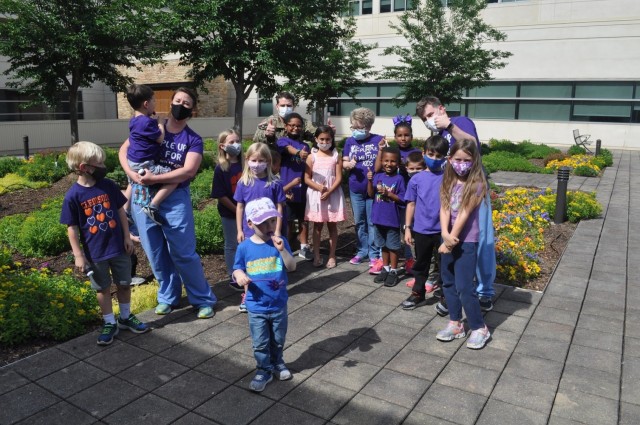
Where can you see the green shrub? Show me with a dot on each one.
(48, 167)
(606, 157)
(580, 205)
(12, 182)
(37, 234)
(10, 164)
(576, 150)
(111, 161)
(585, 171)
(555, 157)
(510, 161)
(201, 187)
(208, 162)
(120, 177)
(210, 144)
(525, 148)
(36, 304)
(209, 236)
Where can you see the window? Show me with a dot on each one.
(385, 6)
(265, 107)
(360, 7)
(10, 110)
(401, 5)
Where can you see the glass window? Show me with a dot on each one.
(399, 5)
(492, 109)
(385, 6)
(265, 107)
(364, 91)
(454, 109)
(367, 7)
(389, 90)
(346, 106)
(10, 110)
(546, 89)
(602, 111)
(544, 111)
(388, 109)
(495, 90)
(604, 90)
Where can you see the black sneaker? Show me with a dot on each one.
(382, 277)
(486, 304)
(441, 307)
(392, 279)
(438, 293)
(153, 213)
(413, 301)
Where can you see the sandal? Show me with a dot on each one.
(318, 262)
(331, 263)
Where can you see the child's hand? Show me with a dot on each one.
(370, 174)
(303, 155)
(381, 189)
(383, 143)
(81, 263)
(241, 278)
(240, 237)
(296, 181)
(353, 162)
(128, 246)
(289, 195)
(277, 242)
(444, 249)
(450, 241)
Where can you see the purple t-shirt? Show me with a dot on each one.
(174, 149)
(259, 189)
(404, 153)
(365, 153)
(143, 133)
(384, 211)
(471, 228)
(95, 211)
(292, 166)
(424, 190)
(224, 184)
(464, 124)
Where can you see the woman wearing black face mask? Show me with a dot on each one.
(171, 246)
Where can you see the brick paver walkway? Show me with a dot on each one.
(570, 355)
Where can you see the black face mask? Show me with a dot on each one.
(180, 113)
(99, 173)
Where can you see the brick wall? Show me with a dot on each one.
(212, 104)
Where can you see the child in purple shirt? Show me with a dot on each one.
(385, 213)
(146, 135)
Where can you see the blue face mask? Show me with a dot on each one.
(359, 134)
(434, 165)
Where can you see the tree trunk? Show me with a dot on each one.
(73, 114)
(239, 105)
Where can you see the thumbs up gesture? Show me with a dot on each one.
(271, 128)
(329, 123)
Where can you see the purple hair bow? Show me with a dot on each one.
(399, 119)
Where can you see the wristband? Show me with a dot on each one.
(450, 126)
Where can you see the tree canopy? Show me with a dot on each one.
(55, 47)
(447, 51)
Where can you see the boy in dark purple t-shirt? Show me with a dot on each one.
(146, 135)
(388, 188)
(99, 236)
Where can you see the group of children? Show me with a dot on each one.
(259, 193)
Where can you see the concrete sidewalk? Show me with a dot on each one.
(570, 355)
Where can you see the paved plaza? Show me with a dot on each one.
(570, 355)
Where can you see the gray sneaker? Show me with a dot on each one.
(282, 373)
(478, 338)
(486, 304)
(260, 381)
(306, 253)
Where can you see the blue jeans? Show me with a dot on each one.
(361, 206)
(457, 270)
(171, 249)
(268, 334)
(230, 232)
(486, 266)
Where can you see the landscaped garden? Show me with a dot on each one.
(43, 298)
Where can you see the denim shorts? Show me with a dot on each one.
(152, 166)
(387, 237)
(116, 270)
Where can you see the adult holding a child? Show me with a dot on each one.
(171, 245)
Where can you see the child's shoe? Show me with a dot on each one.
(260, 381)
(206, 312)
(392, 279)
(452, 331)
(408, 266)
(375, 266)
(153, 213)
(282, 373)
(413, 302)
(431, 286)
(162, 309)
(410, 283)
(132, 324)
(486, 304)
(356, 260)
(441, 307)
(478, 338)
(109, 330)
(305, 253)
(382, 277)
(242, 308)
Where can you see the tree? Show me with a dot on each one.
(447, 50)
(55, 47)
(255, 44)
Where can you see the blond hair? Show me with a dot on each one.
(364, 116)
(84, 153)
(475, 183)
(223, 157)
(263, 150)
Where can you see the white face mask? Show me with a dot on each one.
(324, 146)
(284, 110)
(430, 123)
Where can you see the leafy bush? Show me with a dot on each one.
(111, 161)
(510, 161)
(12, 182)
(120, 177)
(525, 148)
(37, 234)
(47, 167)
(585, 171)
(201, 187)
(10, 164)
(35, 303)
(605, 158)
(580, 205)
(576, 150)
(210, 144)
(209, 236)
(208, 161)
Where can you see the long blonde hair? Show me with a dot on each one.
(223, 157)
(263, 150)
(475, 182)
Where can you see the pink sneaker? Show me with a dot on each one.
(410, 283)
(431, 286)
(376, 266)
(408, 266)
